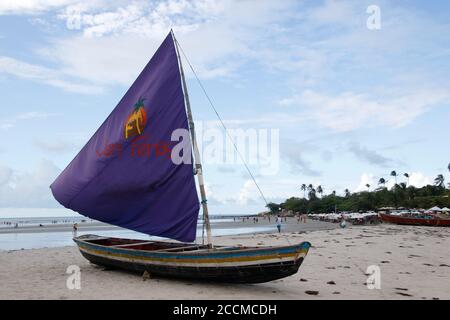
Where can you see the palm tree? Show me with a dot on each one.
(394, 174)
(407, 178)
(382, 181)
(368, 187)
(303, 187)
(439, 181)
(319, 190)
(347, 193)
(311, 191)
(411, 191)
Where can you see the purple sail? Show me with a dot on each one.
(124, 175)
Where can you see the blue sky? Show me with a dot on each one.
(351, 104)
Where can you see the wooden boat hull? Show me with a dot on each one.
(415, 221)
(221, 264)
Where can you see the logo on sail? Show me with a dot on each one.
(136, 121)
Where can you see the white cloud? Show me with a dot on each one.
(28, 189)
(273, 189)
(58, 146)
(248, 193)
(32, 115)
(294, 154)
(113, 44)
(5, 175)
(416, 179)
(367, 155)
(42, 74)
(366, 178)
(107, 60)
(9, 123)
(5, 125)
(336, 14)
(31, 6)
(350, 111)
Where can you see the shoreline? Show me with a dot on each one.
(58, 236)
(413, 261)
(291, 225)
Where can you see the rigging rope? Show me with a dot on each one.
(221, 122)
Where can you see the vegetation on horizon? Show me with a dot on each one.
(400, 195)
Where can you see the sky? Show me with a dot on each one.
(343, 101)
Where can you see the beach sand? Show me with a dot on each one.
(414, 264)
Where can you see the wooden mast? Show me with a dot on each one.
(198, 165)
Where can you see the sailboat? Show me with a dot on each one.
(138, 172)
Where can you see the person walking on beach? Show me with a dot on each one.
(278, 221)
(75, 229)
(343, 224)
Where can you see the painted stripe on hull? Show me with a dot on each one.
(200, 262)
(193, 255)
(241, 257)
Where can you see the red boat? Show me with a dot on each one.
(432, 222)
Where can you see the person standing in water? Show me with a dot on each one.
(278, 221)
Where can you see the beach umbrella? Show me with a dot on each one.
(445, 209)
(435, 209)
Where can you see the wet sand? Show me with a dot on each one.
(414, 264)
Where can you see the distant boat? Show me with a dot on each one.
(425, 221)
(126, 176)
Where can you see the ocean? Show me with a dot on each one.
(46, 238)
